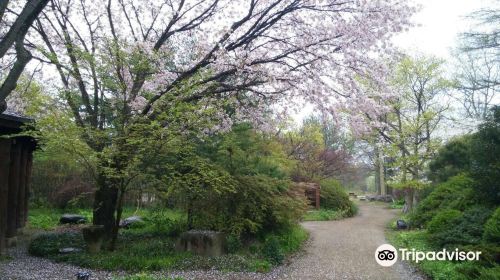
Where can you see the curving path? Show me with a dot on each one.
(337, 250)
(345, 249)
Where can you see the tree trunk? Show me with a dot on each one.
(116, 227)
(408, 200)
(383, 190)
(377, 171)
(105, 205)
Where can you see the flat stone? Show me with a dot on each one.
(72, 219)
(127, 222)
(69, 250)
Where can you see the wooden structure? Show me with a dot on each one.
(311, 191)
(16, 155)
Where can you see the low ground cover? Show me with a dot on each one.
(150, 246)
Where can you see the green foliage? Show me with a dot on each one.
(166, 221)
(47, 219)
(323, 215)
(451, 160)
(443, 220)
(48, 244)
(334, 197)
(456, 193)
(437, 270)
(485, 166)
(145, 249)
(272, 251)
(451, 227)
(233, 243)
(145, 276)
(492, 228)
(235, 182)
(330, 215)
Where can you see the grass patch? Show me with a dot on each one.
(437, 270)
(151, 248)
(144, 276)
(330, 215)
(48, 218)
(441, 270)
(322, 215)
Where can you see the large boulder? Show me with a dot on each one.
(202, 242)
(127, 222)
(72, 219)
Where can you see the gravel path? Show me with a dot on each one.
(337, 250)
(345, 249)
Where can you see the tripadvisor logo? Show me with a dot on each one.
(387, 255)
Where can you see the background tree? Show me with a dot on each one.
(408, 129)
(478, 63)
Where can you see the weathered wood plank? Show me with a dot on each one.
(4, 189)
(12, 203)
(29, 166)
(21, 195)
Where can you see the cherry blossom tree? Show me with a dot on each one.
(15, 21)
(121, 60)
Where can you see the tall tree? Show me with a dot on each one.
(121, 60)
(478, 62)
(406, 131)
(14, 27)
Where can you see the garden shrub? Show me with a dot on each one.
(48, 244)
(451, 227)
(440, 226)
(233, 243)
(272, 251)
(259, 204)
(456, 193)
(492, 228)
(163, 222)
(443, 220)
(334, 197)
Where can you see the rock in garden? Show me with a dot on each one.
(127, 222)
(69, 250)
(202, 242)
(72, 219)
(384, 198)
(400, 224)
(82, 275)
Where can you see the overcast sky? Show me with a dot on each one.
(439, 23)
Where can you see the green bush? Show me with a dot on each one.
(451, 227)
(48, 244)
(165, 222)
(444, 220)
(492, 228)
(272, 251)
(334, 197)
(490, 273)
(233, 243)
(259, 204)
(456, 193)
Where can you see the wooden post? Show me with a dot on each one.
(21, 202)
(12, 203)
(29, 166)
(4, 189)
